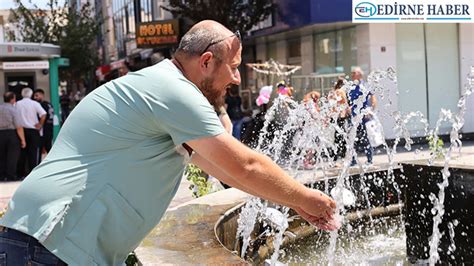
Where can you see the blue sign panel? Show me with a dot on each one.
(292, 14)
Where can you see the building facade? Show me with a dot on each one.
(431, 60)
(118, 48)
(23, 64)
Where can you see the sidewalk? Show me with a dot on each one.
(6, 191)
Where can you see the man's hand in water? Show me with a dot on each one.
(319, 210)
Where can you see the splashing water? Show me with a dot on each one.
(438, 202)
(294, 133)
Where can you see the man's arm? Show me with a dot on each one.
(373, 101)
(211, 169)
(41, 122)
(21, 134)
(42, 115)
(226, 123)
(234, 163)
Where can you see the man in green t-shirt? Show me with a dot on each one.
(121, 153)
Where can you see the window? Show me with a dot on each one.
(159, 12)
(335, 51)
(294, 48)
(325, 53)
(427, 69)
(272, 50)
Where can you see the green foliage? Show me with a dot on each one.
(74, 31)
(236, 15)
(198, 177)
(34, 24)
(436, 146)
(80, 32)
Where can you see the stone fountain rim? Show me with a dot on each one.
(220, 221)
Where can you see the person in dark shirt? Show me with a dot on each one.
(47, 136)
(234, 110)
(64, 101)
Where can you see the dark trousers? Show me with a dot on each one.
(362, 143)
(31, 153)
(46, 139)
(17, 248)
(64, 113)
(9, 154)
(339, 140)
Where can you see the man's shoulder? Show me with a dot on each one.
(35, 103)
(21, 103)
(4, 106)
(164, 74)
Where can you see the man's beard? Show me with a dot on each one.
(214, 96)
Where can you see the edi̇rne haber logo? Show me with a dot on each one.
(413, 11)
(365, 9)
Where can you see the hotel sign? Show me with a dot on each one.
(157, 33)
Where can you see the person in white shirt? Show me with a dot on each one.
(33, 118)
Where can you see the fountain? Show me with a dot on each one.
(393, 214)
(415, 212)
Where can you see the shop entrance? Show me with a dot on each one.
(17, 81)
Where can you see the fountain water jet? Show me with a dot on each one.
(304, 122)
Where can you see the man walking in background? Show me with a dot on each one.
(357, 91)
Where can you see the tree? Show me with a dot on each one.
(235, 15)
(73, 31)
(33, 24)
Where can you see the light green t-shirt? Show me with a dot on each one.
(114, 168)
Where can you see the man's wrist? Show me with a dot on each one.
(301, 196)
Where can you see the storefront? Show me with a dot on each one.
(26, 65)
(33, 65)
(432, 61)
(106, 73)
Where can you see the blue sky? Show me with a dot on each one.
(7, 4)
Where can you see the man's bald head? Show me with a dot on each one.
(196, 40)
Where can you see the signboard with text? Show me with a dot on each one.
(29, 50)
(413, 11)
(25, 65)
(157, 33)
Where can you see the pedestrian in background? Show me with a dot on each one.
(368, 103)
(33, 117)
(233, 104)
(338, 98)
(64, 102)
(12, 137)
(47, 130)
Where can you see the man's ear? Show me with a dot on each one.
(204, 61)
